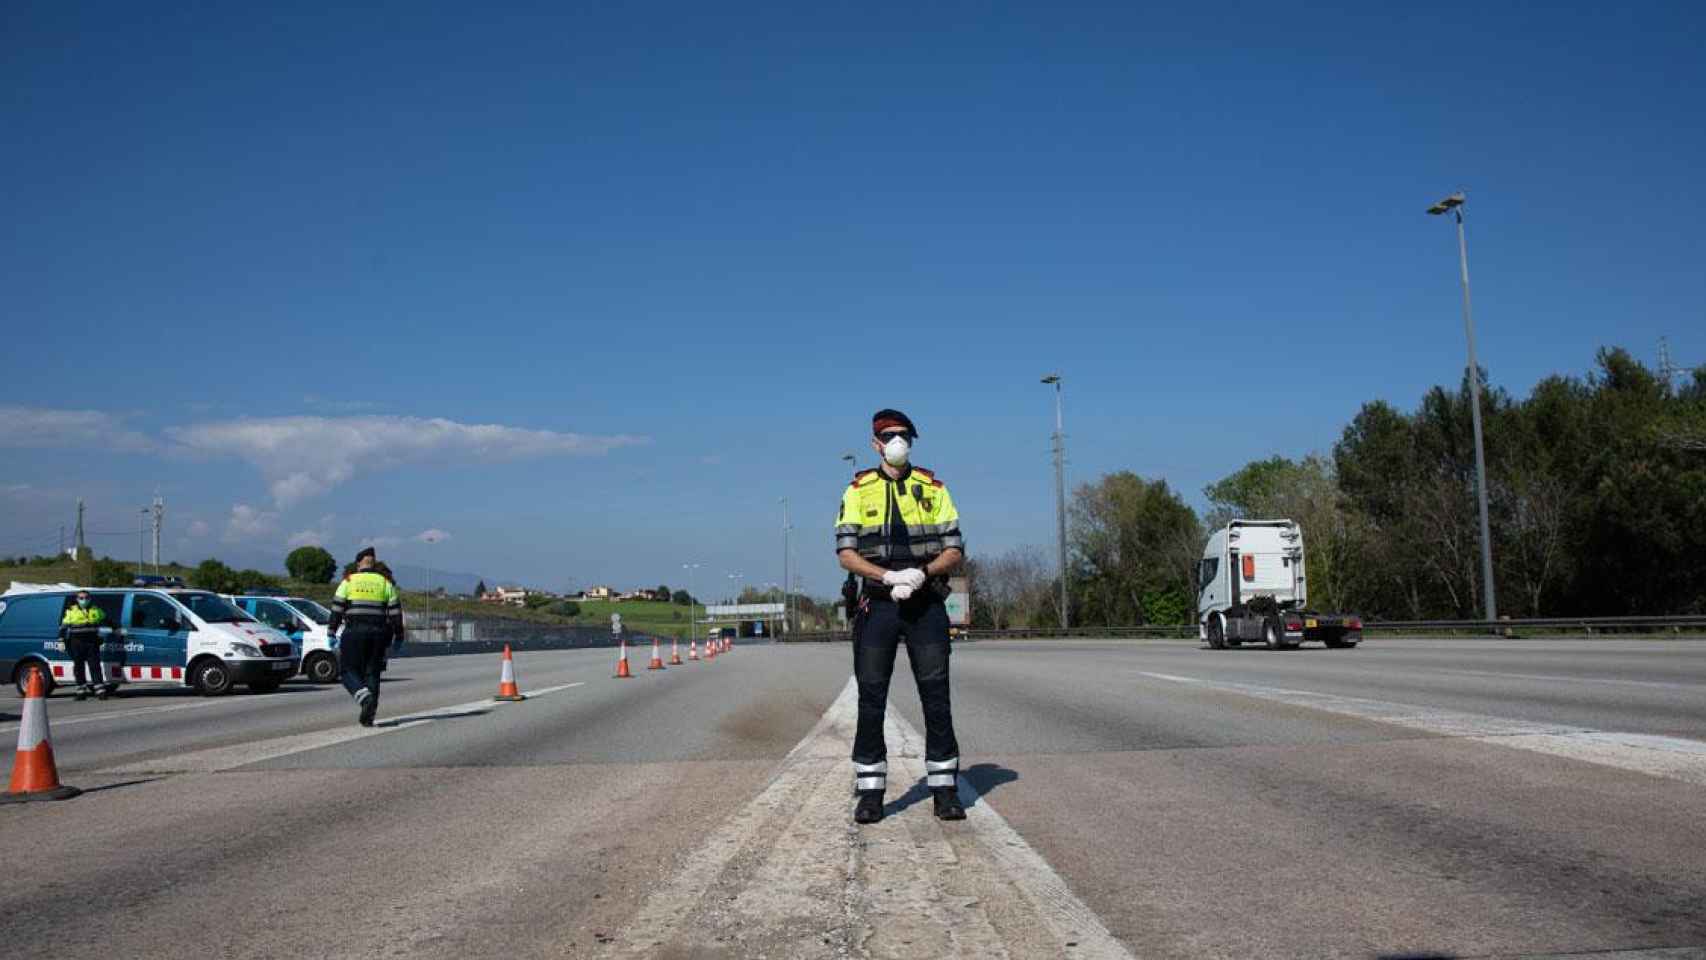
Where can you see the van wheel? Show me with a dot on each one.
(1216, 636)
(268, 685)
(22, 677)
(212, 678)
(322, 668)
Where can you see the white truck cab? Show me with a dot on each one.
(1252, 585)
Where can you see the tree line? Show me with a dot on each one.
(1596, 491)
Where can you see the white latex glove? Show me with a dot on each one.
(900, 592)
(894, 578)
(913, 577)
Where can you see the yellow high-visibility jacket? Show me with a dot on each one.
(897, 523)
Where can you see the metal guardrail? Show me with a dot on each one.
(1690, 625)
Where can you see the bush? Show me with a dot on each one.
(210, 574)
(311, 565)
(107, 572)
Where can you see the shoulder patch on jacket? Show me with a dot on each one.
(863, 476)
(927, 475)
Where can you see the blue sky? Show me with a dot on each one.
(653, 266)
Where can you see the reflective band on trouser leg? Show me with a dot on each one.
(942, 773)
(870, 776)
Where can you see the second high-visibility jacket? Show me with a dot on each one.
(79, 622)
(369, 602)
(898, 522)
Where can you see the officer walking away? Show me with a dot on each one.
(900, 534)
(370, 610)
(81, 631)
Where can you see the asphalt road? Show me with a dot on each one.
(1129, 799)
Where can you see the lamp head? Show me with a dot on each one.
(1448, 204)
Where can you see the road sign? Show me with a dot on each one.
(616, 623)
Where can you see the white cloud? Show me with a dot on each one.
(316, 536)
(44, 427)
(302, 457)
(199, 528)
(246, 523)
(434, 535)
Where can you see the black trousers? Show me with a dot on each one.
(85, 655)
(361, 658)
(923, 623)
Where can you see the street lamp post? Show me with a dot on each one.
(1059, 490)
(786, 534)
(141, 536)
(692, 600)
(1454, 205)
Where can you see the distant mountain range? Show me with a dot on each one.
(415, 578)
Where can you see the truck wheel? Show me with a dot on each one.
(322, 668)
(1216, 636)
(1271, 634)
(212, 678)
(22, 677)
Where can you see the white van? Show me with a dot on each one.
(192, 638)
(304, 622)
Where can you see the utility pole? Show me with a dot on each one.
(1454, 205)
(80, 544)
(785, 535)
(1060, 490)
(159, 521)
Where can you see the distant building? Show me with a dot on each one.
(514, 596)
(597, 593)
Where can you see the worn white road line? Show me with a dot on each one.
(215, 759)
(1552, 678)
(790, 875)
(138, 712)
(1674, 757)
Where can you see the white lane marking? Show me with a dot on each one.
(138, 712)
(790, 875)
(215, 759)
(1676, 758)
(1551, 678)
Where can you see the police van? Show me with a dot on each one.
(304, 622)
(192, 638)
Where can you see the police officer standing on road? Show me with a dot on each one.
(81, 631)
(370, 610)
(900, 534)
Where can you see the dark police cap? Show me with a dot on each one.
(886, 419)
(366, 552)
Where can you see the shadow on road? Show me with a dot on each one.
(981, 777)
(422, 718)
(985, 777)
(125, 783)
(1416, 956)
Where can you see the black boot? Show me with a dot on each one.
(869, 809)
(948, 804)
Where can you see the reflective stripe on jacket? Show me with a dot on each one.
(86, 624)
(898, 522)
(367, 599)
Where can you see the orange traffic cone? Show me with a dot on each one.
(657, 661)
(710, 649)
(693, 649)
(622, 664)
(507, 690)
(675, 651)
(34, 776)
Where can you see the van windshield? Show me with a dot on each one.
(311, 610)
(212, 608)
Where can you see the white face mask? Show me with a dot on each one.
(896, 451)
